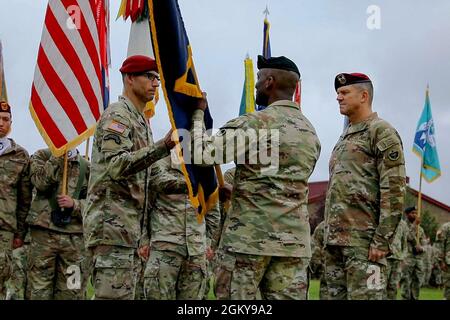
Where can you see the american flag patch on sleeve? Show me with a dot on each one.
(117, 127)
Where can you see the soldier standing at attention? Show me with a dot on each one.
(176, 269)
(265, 243)
(56, 252)
(365, 195)
(413, 272)
(399, 250)
(117, 201)
(443, 244)
(15, 195)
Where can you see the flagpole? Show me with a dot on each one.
(86, 156)
(64, 179)
(419, 198)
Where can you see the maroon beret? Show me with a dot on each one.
(346, 79)
(4, 107)
(138, 63)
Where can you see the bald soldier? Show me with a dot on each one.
(265, 243)
(123, 151)
(365, 195)
(15, 195)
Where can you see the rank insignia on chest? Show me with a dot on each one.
(393, 155)
(117, 127)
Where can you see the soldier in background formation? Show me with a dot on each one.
(365, 196)
(413, 272)
(317, 264)
(177, 265)
(56, 254)
(443, 246)
(15, 195)
(115, 215)
(265, 243)
(395, 259)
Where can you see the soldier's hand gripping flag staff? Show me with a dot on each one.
(180, 85)
(71, 88)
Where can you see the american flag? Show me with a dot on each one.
(71, 82)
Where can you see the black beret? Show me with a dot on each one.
(281, 63)
(346, 79)
(410, 209)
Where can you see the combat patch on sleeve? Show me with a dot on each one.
(114, 137)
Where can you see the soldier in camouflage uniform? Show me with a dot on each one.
(116, 207)
(265, 243)
(176, 268)
(427, 261)
(443, 244)
(17, 283)
(56, 253)
(15, 195)
(317, 264)
(365, 195)
(413, 271)
(224, 206)
(395, 259)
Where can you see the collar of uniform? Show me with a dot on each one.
(12, 148)
(284, 103)
(131, 106)
(362, 125)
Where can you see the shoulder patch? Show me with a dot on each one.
(394, 155)
(117, 127)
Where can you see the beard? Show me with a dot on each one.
(262, 99)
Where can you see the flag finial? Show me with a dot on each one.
(266, 12)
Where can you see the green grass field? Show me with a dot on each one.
(425, 293)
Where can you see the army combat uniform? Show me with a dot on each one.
(176, 268)
(17, 283)
(265, 241)
(364, 204)
(395, 260)
(413, 271)
(443, 244)
(317, 263)
(15, 199)
(56, 254)
(114, 221)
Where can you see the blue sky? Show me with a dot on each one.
(324, 38)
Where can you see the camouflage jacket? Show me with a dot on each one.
(398, 246)
(15, 189)
(122, 153)
(412, 240)
(365, 195)
(46, 175)
(443, 243)
(317, 263)
(268, 214)
(173, 220)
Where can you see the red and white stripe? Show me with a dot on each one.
(67, 94)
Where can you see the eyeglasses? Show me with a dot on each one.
(151, 76)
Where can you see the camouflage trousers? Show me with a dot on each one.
(446, 281)
(323, 289)
(393, 276)
(17, 283)
(115, 272)
(6, 240)
(413, 272)
(55, 265)
(172, 276)
(240, 276)
(351, 276)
